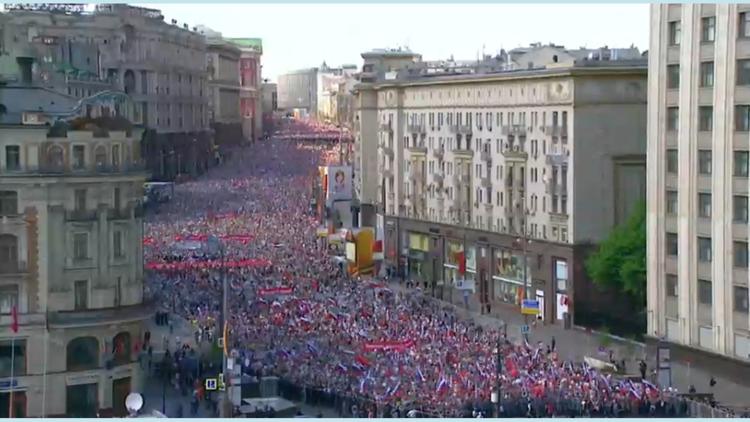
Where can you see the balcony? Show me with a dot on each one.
(515, 152)
(515, 130)
(438, 153)
(486, 182)
(418, 148)
(554, 188)
(59, 170)
(416, 129)
(81, 215)
(386, 127)
(12, 269)
(463, 153)
(102, 316)
(558, 218)
(557, 131)
(558, 158)
(486, 156)
(119, 214)
(460, 129)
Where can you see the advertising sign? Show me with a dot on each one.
(339, 184)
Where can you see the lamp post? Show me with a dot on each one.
(214, 246)
(524, 239)
(496, 395)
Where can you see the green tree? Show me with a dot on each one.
(620, 261)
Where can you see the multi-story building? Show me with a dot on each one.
(521, 171)
(161, 66)
(251, 50)
(72, 258)
(269, 104)
(298, 91)
(699, 119)
(223, 65)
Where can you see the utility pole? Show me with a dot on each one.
(499, 371)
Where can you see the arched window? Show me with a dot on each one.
(83, 353)
(129, 82)
(121, 348)
(55, 157)
(8, 254)
(100, 156)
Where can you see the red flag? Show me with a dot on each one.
(461, 258)
(14, 319)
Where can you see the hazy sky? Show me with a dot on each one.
(304, 35)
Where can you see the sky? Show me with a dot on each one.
(297, 36)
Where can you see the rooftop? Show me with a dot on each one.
(250, 43)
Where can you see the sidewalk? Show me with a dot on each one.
(575, 344)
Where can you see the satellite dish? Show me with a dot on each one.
(134, 402)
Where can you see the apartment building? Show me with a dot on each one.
(223, 66)
(162, 66)
(521, 171)
(72, 258)
(699, 119)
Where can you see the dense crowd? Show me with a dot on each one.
(293, 313)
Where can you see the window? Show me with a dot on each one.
(740, 254)
(8, 254)
(704, 162)
(673, 76)
(741, 118)
(671, 202)
(82, 353)
(117, 244)
(81, 290)
(704, 249)
(672, 247)
(705, 295)
(707, 74)
(672, 161)
(121, 348)
(80, 199)
(672, 118)
(8, 202)
(741, 163)
(743, 29)
(80, 246)
(674, 32)
(15, 352)
(671, 285)
(12, 157)
(704, 205)
(8, 298)
(79, 157)
(740, 209)
(116, 156)
(740, 299)
(705, 118)
(743, 72)
(708, 29)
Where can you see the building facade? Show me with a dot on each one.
(699, 119)
(269, 105)
(223, 65)
(161, 66)
(251, 50)
(298, 90)
(72, 259)
(521, 172)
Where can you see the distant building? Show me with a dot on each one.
(250, 86)
(298, 90)
(72, 259)
(269, 104)
(223, 67)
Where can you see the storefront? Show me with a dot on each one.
(561, 289)
(419, 247)
(450, 262)
(507, 279)
(470, 277)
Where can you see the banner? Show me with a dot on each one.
(200, 265)
(339, 184)
(243, 238)
(398, 346)
(276, 291)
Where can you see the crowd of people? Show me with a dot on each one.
(295, 314)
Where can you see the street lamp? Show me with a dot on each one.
(215, 245)
(524, 239)
(498, 389)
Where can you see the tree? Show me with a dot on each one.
(620, 261)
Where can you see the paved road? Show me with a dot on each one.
(575, 344)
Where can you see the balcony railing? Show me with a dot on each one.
(558, 217)
(416, 129)
(556, 188)
(558, 158)
(460, 129)
(558, 131)
(14, 268)
(467, 153)
(61, 170)
(418, 148)
(119, 214)
(516, 130)
(81, 215)
(515, 152)
(103, 316)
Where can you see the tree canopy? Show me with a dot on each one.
(620, 261)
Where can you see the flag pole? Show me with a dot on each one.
(12, 373)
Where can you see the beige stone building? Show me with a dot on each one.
(699, 119)
(521, 171)
(71, 259)
(223, 65)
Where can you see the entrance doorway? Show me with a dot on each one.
(19, 405)
(120, 390)
(82, 401)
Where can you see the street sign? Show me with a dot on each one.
(525, 329)
(211, 384)
(8, 384)
(530, 307)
